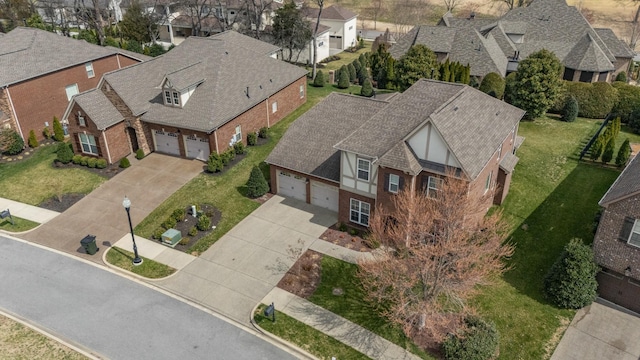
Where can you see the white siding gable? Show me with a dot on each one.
(427, 144)
(349, 175)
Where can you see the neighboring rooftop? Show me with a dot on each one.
(627, 184)
(333, 12)
(99, 108)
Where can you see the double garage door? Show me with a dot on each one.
(197, 148)
(294, 186)
(168, 143)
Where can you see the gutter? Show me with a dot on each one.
(13, 110)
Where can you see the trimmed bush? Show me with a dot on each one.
(570, 109)
(492, 84)
(363, 74)
(92, 162)
(125, 163)
(597, 147)
(634, 121)
(252, 139)
(353, 73)
(571, 281)
(193, 231)
(11, 142)
(169, 223)
(178, 214)
(33, 142)
(228, 156)
(609, 149)
(509, 82)
(58, 132)
(157, 233)
(46, 133)
(84, 161)
(214, 164)
(139, 154)
(263, 133)
(77, 159)
(622, 76)
(319, 80)
(64, 154)
(256, 185)
(479, 341)
(343, 80)
(204, 223)
(623, 153)
(595, 100)
(239, 148)
(628, 100)
(101, 163)
(367, 88)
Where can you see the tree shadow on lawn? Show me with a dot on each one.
(568, 212)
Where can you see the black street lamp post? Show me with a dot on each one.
(127, 205)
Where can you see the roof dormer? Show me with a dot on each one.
(178, 86)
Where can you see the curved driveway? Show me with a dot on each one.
(111, 316)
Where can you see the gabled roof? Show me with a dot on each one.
(185, 77)
(26, 53)
(307, 146)
(246, 42)
(618, 48)
(96, 105)
(333, 12)
(586, 55)
(627, 184)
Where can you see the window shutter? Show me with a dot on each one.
(400, 183)
(627, 226)
(98, 146)
(386, 182)
(425, 183)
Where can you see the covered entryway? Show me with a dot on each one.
(197, 148)
(292, 185)
(324, 195)
(166, 142)
(133, 138)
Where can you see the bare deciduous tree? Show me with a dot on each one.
(90, 13)
(320, 4)
(452, 4)
(436, 252)
(511, 4)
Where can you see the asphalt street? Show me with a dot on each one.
(114, 317)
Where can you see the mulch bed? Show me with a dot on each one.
(62, 203)
(344, 239)
(189, 222)
(108, 172)
(264, 198)
(303, 277)
(26, 153)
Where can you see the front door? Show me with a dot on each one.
(133, 138)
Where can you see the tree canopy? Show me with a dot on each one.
(136, 25)
(291, 30)
(419, 62)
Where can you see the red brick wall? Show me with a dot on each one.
(90, 128)
(118, 141)
(288, 100)
(344, 206)
(383, 196)
(38, 100)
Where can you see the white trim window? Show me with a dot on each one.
(238, 134)
(359, 212)
(487, 184)
(302, 87)
(631, 231)
(88, 144)
(176, 98)
(434, 184)
(167, 97)
(89, 67)
(364, 169)
(274, 107)
(394, 183)
(71, 90)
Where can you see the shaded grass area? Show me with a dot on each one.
(305, 337)
(227, 191)
(351, 304)
(345, 58)
(149, 268)
(18, 226)
(34, 180)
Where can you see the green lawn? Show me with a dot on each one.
(345, 58)
(19, 224)
(34, 180)
(226, 191)
(306, 337)
(149, 268)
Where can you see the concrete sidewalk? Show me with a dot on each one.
(155, 251)
(336, 326)
(28, 212)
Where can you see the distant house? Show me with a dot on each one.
(201, 97)
(41, 71)
(306, 55)
(489, 45)
(350, 154)
(342, 26)
(617, 241)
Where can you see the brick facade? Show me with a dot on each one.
(344, 206)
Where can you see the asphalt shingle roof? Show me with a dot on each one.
(101, 111)
(187, 76)
(618, 48)
(627, 184)
(333, 12)
(307, 146)
(586, 55)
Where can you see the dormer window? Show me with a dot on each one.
(171, 98)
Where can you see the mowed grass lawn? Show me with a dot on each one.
(34, 180)
(226, 191)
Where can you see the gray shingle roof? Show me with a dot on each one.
(509, 162)
(333, 12)
(618, 48)
(586, 55)
(246, 42)
(307, 146)
(229, 67)
(627, 184)
(101, 111)
(187, 76)
(26, 53)
(131, 54)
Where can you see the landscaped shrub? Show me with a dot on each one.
(228, 156)
(256, 185)
(239, 148)
(58, 132)
(353, 72)
(570, 109)
(622, 76)
(367, 88)
(125, 163)
(64, 154)
(628, 100)
(204, 223)
(214, 164)
(343, 227)
(343, 80)
(101, 163)
(139, 154)
(571, 281)
(33, 142)
(263, 133)
(193, 231)
(157, 233)
(169, 223)
(252, 139)
(11, 142)
(609, 149)
(46, 133)
(76, 159)
(595, 100)
(178, 214)
(363, 74)
(479, 341)
(492, 84)
(84, 161)
(92, 162)
(634, 121)
(319, 80)
(509, 83)
(597, 147)
(623, 153)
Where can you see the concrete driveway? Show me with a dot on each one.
(148, 182)
(601, 331)
(241, 268)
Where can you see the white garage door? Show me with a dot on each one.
(167, 142)
(292, 186)
(325, 196)
(197, 148)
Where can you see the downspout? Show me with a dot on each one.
(215, 135)
(268, 121)
(106, 145)
(13, 110)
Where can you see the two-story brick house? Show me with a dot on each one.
(41, 71)
(617, 242)
(351, 154)
(201, 97)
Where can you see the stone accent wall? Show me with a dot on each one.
(6, 118)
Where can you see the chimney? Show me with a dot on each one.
(472, 15)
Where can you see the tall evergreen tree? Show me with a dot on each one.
(609, 149)
(597, 147)
(343, 80)
(419, 62)
(623, 153)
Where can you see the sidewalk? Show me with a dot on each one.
(27, 212)
(155, 251)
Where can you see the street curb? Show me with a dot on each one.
(129, 273)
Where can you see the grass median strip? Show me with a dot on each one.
(19, 224)
(149, 268)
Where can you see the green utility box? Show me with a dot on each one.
(171, 237)
(89, 244)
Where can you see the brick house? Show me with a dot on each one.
(617, 241)
(488, 45)
(40, 71)
(351, 154)
(201, 97)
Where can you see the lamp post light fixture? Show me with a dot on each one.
(127, 205)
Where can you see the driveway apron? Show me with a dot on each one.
(147, 183)
(248, 262)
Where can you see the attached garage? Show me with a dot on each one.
(197, 147)
(291, 185)
(619, 289)
(324, 195)
(166, 142)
